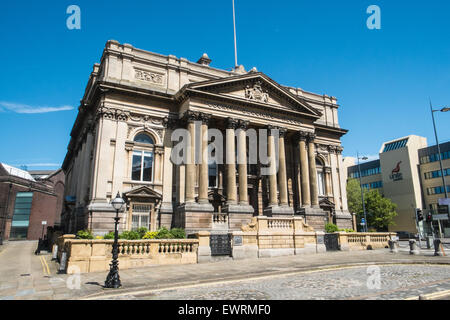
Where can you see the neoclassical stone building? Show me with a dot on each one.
(121, 142)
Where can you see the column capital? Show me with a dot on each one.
(232, 123)
(311, 136)
(269, 128)
(204, 117)
(170, 123)
(243, 124)
(332, 149)
(282, 132)
(191, 116)
(302, 135)
(339, 150)
(327, 169)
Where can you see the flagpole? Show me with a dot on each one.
(235, 47)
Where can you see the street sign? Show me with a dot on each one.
(44, 223)
(440, 216)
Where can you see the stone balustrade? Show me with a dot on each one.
(273, 236)
(220, 218)
(95, 255)
(364, 240)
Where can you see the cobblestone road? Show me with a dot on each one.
(395, 282)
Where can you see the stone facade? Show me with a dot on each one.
(133, 94)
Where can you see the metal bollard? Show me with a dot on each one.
(55, 252)
(429, 240)
(413, 247)
(437, 247)
(393, 246)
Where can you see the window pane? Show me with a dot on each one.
(148, 164)
(136, 169)
(143, 138)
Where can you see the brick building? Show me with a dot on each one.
(25, 202)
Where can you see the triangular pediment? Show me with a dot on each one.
(254, 88)
(142, 191)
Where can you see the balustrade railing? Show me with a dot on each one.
(220, 218)
(280, 223)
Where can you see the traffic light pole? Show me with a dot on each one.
(418, 227)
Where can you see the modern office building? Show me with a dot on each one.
(408, 173)
(122, 141)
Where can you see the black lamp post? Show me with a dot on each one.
(445, 109)
(113, 279)
(362, 191)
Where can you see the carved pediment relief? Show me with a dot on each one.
(143, 192)
(256, 89)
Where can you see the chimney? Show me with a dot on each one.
(204, 60)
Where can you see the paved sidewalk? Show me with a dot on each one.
(18, 259)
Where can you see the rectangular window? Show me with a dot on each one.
(142, 166)
(21, 217)
(140, 216)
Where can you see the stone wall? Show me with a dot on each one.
(96, 255)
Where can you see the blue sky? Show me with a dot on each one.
(382, 78)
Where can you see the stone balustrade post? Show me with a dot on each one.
(204, 248)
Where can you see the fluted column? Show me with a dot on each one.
(190, 165)
(313, 170)
(203, 180)
(273, 199)
(327, 178)
(231, 161)
(242, 163)
(304, 167)
(282, 179)
(166, 205)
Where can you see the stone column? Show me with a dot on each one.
(273, 199)
(304, 167)
(282, 179)
(313, 170)
(242, 163)
(327, 178)
(203, 179)
(190, 165)
(166, 205)
(231, 162)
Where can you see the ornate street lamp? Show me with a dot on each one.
(362, 191)
(113, 279)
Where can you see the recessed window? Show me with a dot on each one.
(142, 169)
(143, 138)
(212, 174)
(21, 217)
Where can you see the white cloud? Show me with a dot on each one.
(23, 108)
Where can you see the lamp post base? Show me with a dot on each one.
(113, 279)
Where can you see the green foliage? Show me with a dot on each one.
(130, 235)
(85, 234)
(150, 235)
(347, 230)
(330, 228)
(163, 233)
(354, 196)
(109, 235)
(381, 211)
(178, 233)
(142, 231)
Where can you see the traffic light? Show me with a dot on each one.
(429, 217)
(419, 215)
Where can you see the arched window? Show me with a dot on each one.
(143, 138)
(320, 177)
(142, 165)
